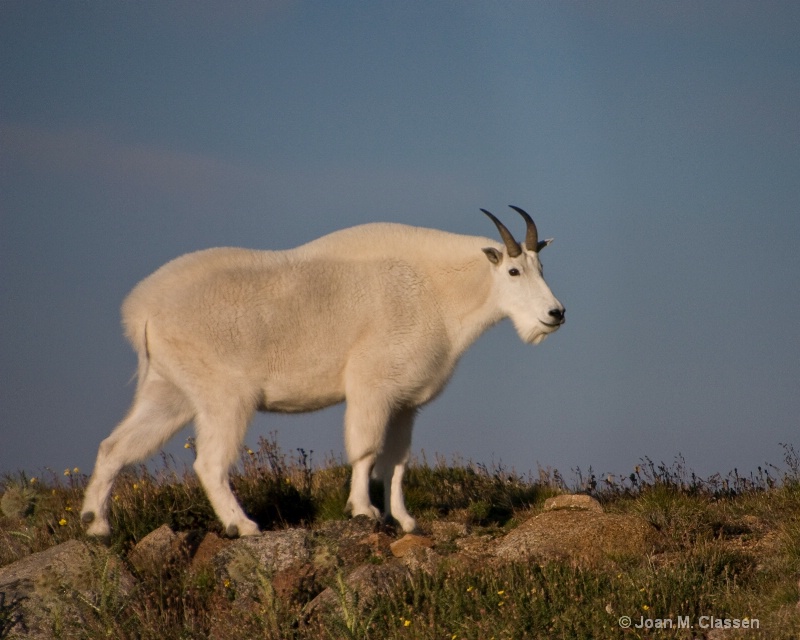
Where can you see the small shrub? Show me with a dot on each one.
(18, 502)
(488, 496)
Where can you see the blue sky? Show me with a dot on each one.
(659, 143)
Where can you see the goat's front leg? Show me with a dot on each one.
(391, 466)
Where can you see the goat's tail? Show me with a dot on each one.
(136, 331)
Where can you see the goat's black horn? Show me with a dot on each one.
(511, 245)
(532, 234)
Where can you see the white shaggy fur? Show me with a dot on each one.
(375, 315)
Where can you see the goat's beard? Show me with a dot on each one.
(535, 334)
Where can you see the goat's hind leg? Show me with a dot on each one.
(220, 433)
(159, 410)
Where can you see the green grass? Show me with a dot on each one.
(731, 548)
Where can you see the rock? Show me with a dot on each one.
(275, 550)
(250, 563)
(448, 531)
(475, 547)
(358, 560)
(352, 554)
(355, 527)
(158, 549)
(422, 559)
(57, 584)
(408, 543)
(296, 583)
(416, 553)
(294, 562)
(351, 542)
(587, 538)
(572, 501)
(360, 588)
(380, 544)
(208, 548)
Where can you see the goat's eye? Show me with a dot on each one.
(513, 272)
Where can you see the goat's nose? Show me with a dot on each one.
(557, 314)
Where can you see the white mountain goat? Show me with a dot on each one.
(376, 315)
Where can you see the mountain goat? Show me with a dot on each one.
(376, 315)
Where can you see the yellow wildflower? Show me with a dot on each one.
(33, 480)
(62, 522)
(407, 623)
(67, 472)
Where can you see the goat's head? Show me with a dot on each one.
(522, 294)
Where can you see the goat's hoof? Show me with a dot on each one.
(409, 525)
(373, 513)
(243, 529)
(97, 533)
(103, 540)
(369, 510)
(98, 528)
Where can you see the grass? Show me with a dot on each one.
(731, 549)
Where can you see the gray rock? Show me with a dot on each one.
(573, 501)
(342, 545)
(586, 537)
(360, 588)
(57, 587)
(475, 547)
(249, 563)
(422, 559)
(158, 549)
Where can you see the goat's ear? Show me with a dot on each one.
(495, 257)
(542, 244)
